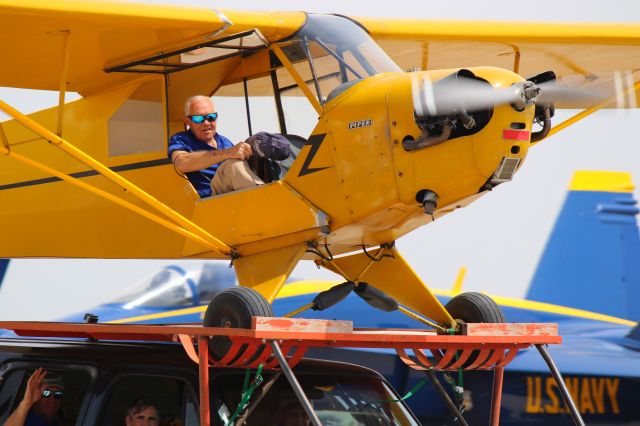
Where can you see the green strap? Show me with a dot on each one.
(247, 391)
(245, 385)
(409, 394)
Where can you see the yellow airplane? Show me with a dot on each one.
(415, 120)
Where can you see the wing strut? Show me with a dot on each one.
(298, 79)
(384, 273)
(63, 79)
(187, 228)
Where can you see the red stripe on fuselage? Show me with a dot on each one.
(516, 135)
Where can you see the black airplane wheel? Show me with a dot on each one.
(233, 308)
(474, 308)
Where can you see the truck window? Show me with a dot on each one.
(172, 396)
(337, 399)
(75, 383)
(10, 382)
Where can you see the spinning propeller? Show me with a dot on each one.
(463, 91)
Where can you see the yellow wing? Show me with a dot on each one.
(580, 54)
(103, 34)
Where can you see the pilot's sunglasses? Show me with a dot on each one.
(200, 118)
(55, 394)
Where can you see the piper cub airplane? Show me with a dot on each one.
(392, 150)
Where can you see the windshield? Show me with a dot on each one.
(337, 399)
(332, 53)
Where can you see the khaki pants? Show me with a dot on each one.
(233, 174)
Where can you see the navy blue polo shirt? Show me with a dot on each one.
(187, 141)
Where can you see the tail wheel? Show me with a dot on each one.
(233, 308)
(474, 308)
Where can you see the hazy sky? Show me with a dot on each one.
(499, 238)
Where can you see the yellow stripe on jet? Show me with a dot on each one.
(595, 180)
(304, 287)
(312, 287)
(167, 314)
(557, 309)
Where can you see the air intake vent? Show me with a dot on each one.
(506, 170)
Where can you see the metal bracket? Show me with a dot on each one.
(224, 19)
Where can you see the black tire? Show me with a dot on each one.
(474, 307)
(233, 308)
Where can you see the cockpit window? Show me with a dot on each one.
(336, 53)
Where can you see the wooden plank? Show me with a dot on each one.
(511, 329)
(264, 324)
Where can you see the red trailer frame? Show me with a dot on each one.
(280, 343)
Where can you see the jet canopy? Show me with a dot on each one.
(334, 53)
(178, 286)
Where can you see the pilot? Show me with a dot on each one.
(210, 161)
(142, 412)
(41, 401)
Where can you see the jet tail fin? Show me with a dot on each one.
(4, 265)
(592, 258)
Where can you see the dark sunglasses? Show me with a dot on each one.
(55, 394)
(200, 118)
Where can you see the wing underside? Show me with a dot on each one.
(606, 56)
(106, 34)
(102, 34)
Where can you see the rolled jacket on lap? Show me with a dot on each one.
(267, 148)
(272, 146)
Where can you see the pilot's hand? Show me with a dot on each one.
(242, 151)
(34, 389)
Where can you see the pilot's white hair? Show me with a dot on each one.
(193, 99)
